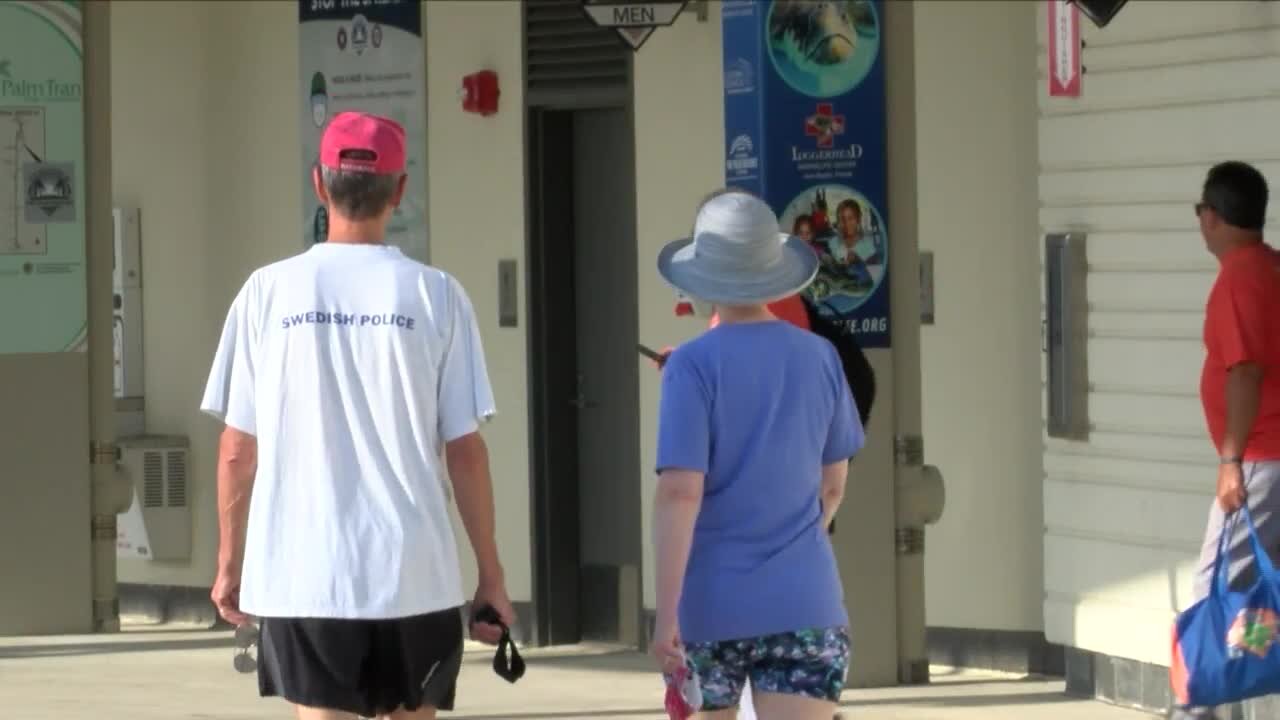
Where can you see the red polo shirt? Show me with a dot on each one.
(1242, 324)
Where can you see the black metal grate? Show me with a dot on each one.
(152, 480)
(177, 478)
(565, 52)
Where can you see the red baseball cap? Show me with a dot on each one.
(361, 142)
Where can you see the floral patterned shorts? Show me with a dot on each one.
(813, 663)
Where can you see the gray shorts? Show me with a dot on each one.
(1262, 483)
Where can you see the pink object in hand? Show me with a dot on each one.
(684, 696)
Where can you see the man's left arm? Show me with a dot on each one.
(1243, 395)
(1242, 340)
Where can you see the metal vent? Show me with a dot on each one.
(152, 480)
(177, 478)
(569, 59)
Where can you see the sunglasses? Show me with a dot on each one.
(246, 639)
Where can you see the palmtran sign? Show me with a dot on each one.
(635, 22)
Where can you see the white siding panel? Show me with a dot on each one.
(1151, 475)
(1117, 593)
(1176, 21)
(1156, 325)
(1187, 135)
(1143, 364)
(1148, 291)
(1120, 567)
(1171, 88)
(1124, 630)
(1217, 80)
(1157, 414)
(1163, 184)
(1182, 250)
(1121, 217)
(1145, 446)
(1251, 42)
(1152, 519)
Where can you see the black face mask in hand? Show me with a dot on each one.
(507, 662)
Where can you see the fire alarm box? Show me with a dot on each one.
(480, 92)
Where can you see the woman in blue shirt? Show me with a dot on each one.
(755, 432)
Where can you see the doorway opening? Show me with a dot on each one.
(584, 376)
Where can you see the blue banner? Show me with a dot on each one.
(403, 14)
(804, 108)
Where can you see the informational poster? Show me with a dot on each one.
(43, 283)
(804, 100)
(364, 55)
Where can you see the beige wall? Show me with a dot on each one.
(462, 37)
(677, 162)
(976, 150)
(205, 143)
(162, 155)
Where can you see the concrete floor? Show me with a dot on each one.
(165, 674)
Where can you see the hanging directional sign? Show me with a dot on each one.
(1064, 49)
(634, 21)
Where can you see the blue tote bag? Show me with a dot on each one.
(1226, 648)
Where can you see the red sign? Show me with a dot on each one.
(824, 125)
(1064, 49)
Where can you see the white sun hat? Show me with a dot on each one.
(737, 255)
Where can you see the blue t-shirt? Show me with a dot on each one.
(758, 408)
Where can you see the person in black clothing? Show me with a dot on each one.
(857, 369)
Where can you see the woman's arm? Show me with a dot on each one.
(675, 510)
(832, 493)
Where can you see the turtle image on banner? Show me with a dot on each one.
(823, 49)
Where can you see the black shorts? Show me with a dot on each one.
(367, 667)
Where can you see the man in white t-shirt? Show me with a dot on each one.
(344, 375)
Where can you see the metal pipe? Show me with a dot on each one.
(108, 486)
(917, 490)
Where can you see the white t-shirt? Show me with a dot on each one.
(352, 365)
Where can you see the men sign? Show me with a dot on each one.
(635, 22)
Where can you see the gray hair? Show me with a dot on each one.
(358, 195)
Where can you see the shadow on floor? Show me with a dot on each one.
(624, 713)
(1036, 698)
(112, 648)
(1040, 697)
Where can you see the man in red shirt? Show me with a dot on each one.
(1240, 383)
